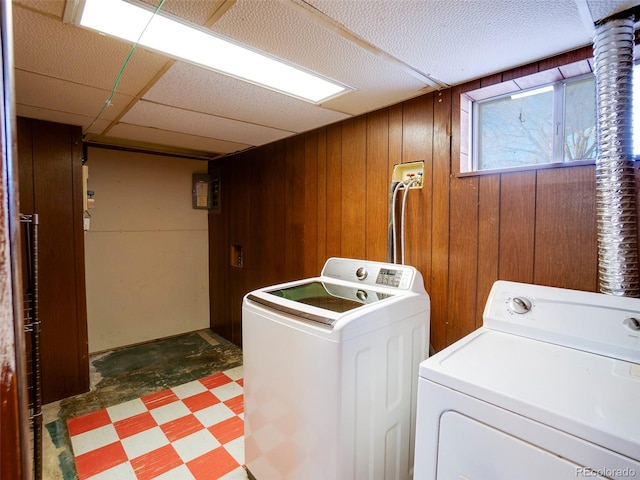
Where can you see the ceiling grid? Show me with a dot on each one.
(388, 51)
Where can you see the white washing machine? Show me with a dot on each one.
(547, 388)
(330, 373)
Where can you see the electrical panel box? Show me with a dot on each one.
(201, 191)
(206, 192)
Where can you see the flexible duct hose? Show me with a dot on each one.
(615, 181)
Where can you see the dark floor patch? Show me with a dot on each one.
(67, 465)
(132, 372)
(56, 432)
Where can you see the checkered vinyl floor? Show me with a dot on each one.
(190, 432)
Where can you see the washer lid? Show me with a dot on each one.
(337, 298)
(325, 298)
(588, 395)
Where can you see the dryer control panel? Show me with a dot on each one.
(594, 322)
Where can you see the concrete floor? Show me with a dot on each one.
(129, 373)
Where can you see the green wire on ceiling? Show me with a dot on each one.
(107, 102)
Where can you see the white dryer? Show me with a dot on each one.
(547, 388)
(331, 373)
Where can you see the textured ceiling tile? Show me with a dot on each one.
(65, 73)
(194, 11)
(66, 118)
(461, 40)
(186, 86)
(273, 27)
(62, 96)
(49, 47)
(605, 8)
(51, 7)
(195, 123)
(290, 33)
(174, 139)
(387, 90)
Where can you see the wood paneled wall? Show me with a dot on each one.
(293, 204)
(50, 178)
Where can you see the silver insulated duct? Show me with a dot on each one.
(615, 181)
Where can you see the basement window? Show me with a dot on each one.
(549, 124)
(546, 119)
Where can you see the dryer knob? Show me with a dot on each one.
(633, 323)
(520, 305)
(361, 273)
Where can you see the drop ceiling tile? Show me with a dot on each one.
(63, 96)
(192, 88)
(601, 9)
(194, 11)
(51, 7)
(154, 115)
(78, 55)
(174, 139)
(287, 32)
(385, 86)
(459, 41)
(66, 118)
(382, 48)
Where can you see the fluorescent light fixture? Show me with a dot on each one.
(535, 91)
(171, 36)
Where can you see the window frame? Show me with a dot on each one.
(557, 121)
(562, 74)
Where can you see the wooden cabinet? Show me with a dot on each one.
(50, 184)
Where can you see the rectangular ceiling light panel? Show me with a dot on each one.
(168, 35)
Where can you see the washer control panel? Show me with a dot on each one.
(389, 277)
(364, 272)
(604, 324)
